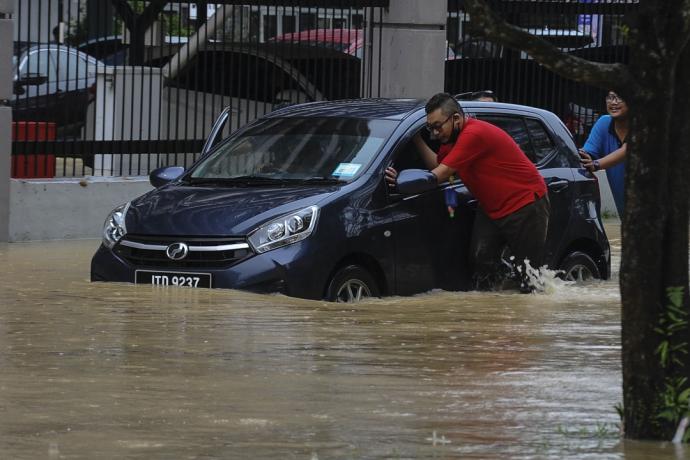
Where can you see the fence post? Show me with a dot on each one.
(6, 90)
(408, 49)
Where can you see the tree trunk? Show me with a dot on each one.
(655, 225)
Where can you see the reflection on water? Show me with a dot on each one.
(116, 370)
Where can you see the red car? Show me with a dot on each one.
(349, 41)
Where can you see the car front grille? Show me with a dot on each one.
(147, 251)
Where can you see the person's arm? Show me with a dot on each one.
(605, 162)
(428, 156)
(442, 173)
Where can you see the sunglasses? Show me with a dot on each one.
(436, 127)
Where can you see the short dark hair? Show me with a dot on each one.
(445, 102)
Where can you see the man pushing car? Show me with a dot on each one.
(512, 195)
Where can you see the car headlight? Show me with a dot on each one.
(114, 227)
(284, 230)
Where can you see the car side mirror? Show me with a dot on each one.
(164, 175)
(414, 181)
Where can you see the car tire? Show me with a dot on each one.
(579, 267)
(351, 284)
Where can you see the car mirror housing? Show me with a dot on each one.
(32, 79)
(414, 181)
(164, 175)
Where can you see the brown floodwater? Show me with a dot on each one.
(106, 370)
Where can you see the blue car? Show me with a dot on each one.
(296, 202)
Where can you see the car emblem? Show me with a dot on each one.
(177, 251)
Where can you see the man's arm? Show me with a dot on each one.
(428, 156)
(442, 173)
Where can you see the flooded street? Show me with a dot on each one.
(101, 371)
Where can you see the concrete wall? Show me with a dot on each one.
(409, 54)
(70, 208)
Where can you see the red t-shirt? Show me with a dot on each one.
(494, 169)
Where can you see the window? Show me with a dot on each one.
(288, 24)
(39, 63)
(307, 21)
(71, 66)
(270, 26)
(541, 141)
(515, 126)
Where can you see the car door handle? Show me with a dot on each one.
(558, 185)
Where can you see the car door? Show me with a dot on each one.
(35, 87)
(537, 141)
(73, 82)
(430, 246)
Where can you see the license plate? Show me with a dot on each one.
(155, 278)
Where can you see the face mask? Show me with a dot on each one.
(454, 135)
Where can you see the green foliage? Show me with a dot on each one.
(598, 431)
(674, 401)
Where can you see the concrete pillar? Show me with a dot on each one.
(6, 31)
(408, 56)
(119, 115)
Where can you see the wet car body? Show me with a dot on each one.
(361, 232)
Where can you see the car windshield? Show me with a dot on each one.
(302, 149)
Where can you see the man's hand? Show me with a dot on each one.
(391, 176)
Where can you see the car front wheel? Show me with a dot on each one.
(351, 284)
(579, 267)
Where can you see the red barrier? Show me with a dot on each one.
(36, 165)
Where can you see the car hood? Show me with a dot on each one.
(206, 211)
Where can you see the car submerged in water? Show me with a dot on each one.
(296, 203)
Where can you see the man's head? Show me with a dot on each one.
(616, 106)
(444, 117)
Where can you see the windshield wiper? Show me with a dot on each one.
(241, 180)
(322, 180)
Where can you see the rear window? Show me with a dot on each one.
(530, 134)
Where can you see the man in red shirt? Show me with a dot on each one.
(513, 203)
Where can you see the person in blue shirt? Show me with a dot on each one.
(605, 147)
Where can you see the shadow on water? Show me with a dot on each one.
(94, 370)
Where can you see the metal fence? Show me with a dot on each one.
(591, 29)
(117, 87)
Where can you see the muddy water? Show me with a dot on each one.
(100, 371)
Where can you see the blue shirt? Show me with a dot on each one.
(602, 141)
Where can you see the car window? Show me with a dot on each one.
(39, 63)
(515, 126)
(541, 141)
(70, 65)
(407, 156)
(298, 148)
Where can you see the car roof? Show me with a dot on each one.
(394, 109)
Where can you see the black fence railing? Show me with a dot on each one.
(118, 87)
(591, 29)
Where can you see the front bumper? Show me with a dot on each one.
(290, 270)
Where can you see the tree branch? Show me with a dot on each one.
(126, 12)
(495, 28)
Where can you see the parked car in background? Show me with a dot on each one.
(348, 41)
(52, 83)
(296, 202)
(110, 50)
